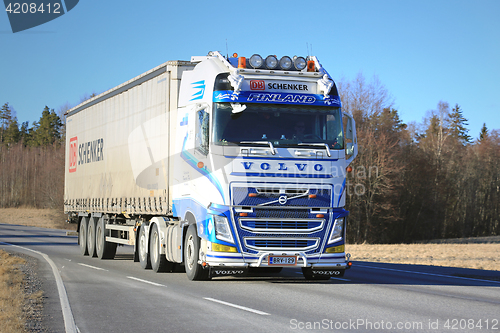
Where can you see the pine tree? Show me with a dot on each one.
(9, 127)
(457, 126)
(24, 133)
(47, 130)
(484, 133)
(12, 134)
(5, 119)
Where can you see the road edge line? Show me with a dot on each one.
(69, 320)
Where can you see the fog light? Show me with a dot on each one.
(223, 248)
(335, 249)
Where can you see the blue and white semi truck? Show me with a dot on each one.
(220, 164)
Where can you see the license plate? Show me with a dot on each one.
(282, 260)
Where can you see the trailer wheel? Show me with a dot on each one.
(159, 262)
(194, 271)
(308, 274)
(104, 249)
(91, 237)
(143, 249)
(82, 236)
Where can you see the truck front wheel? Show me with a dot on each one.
(194, 271)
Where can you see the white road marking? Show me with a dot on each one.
(98, 268)
(237, 306)
(69, 320)
(145, 281)
(431, 274)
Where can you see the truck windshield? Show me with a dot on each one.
(283, 125)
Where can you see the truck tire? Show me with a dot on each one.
(143, 249)
(308, 274)
(194, 271)
(159, 262)
(82, 236)
(91, 237)
(104, 249)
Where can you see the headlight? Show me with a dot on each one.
(256, 61)
(222, 230)
(299, 63)
(337, 231)
(286, 63)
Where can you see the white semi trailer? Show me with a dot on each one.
(220, 164)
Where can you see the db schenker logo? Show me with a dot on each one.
(73, 151)
(31, 13)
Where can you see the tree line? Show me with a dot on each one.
(410, 182)
(31, 160)
(418, 181)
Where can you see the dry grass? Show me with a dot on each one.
(12, 298)
(43, 218)
(478, 256)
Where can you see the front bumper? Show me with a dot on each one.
(237, 260)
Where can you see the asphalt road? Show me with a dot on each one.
(118, 296)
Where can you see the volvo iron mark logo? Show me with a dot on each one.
(282, 199)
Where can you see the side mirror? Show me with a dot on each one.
(349, 148)
(351, 141)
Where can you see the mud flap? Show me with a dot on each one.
(227, 271)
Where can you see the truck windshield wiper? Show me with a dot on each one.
(325, 145)
(269, 143)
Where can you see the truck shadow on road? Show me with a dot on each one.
(371, 273)
(386, 273)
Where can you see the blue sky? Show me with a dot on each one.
(423, 51)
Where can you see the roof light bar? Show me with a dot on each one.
(271, 62)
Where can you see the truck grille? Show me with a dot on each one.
(281, 225)
(281, 244)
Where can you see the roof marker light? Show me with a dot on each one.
(286, 63)
(311, 66)
(256, 61)
(242, 62)
(271, 62)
